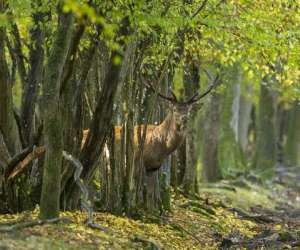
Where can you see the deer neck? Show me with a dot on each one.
(170, 132)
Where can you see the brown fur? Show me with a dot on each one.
(161, 140)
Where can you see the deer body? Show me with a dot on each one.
(160, 140)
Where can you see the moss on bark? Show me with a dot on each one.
(53, 120)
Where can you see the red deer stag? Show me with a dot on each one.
(163, 139)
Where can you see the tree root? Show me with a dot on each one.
(178, 227)
(19, 226)
(199, 208)
(85, 202)
(259, 218)
(149, 244)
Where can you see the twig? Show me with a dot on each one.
(200, 8)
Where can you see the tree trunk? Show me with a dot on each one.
(244, 120)
(266, 142)
(211, 171)
(8, 125)
(34, 78)
(292, 148)
(191, 86)
(52, 119)
(230, 157)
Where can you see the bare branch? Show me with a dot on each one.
(154, 90)
(211, 86)
(201, 7)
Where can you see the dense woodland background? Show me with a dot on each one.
(68, 66)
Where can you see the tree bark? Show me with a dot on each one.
(101, 121)
(191, 86)
(53, 121)
(211, 171)
(34, 78)
(19, 56)
(7, 121)
(266, 141)
(244, 119)
(292, 148)
(230, 157)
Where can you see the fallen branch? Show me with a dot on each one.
(7, 229)
(36, 153)
(259, 218)
(19, 157)
(16, 159)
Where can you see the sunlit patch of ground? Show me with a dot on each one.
(183, 228)
(202, 223)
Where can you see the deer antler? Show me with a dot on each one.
(172, 98)
(198, 96)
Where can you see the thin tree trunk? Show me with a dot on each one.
(53, 120)
(19, 56)
(292, 148)
(211, 171)
(191, 82)
(34, 78)
(7, 121)
(244, 119)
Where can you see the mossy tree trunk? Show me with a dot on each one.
(36, 57)
(9, 137)
(230, 157)
(7, 121)
(265, 151)
(191, 85)
(211, 170)
(265, 143)
(246, 106)
(292, 148)
(53, 133)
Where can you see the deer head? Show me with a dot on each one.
(181, 109)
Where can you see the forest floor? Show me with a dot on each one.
(243, 213)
